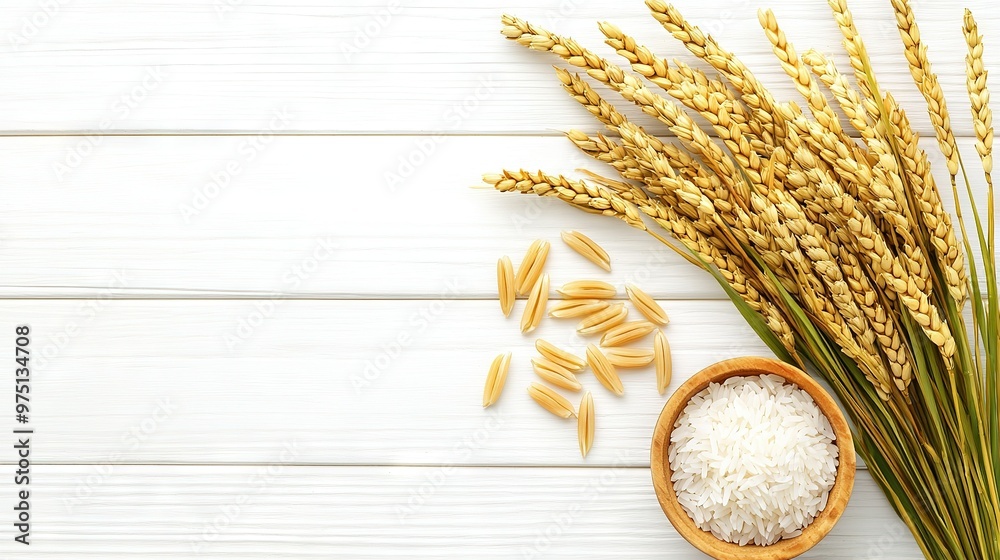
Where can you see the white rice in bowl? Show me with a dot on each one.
(753, 459)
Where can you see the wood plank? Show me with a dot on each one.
(279, 510)
(147, 217)
(389, 65)
(349, 382)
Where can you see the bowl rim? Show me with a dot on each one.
(661, 471)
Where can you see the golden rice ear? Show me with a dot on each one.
(979, 94)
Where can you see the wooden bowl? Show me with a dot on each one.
(706, 541)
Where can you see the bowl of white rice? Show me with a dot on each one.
(751, 458)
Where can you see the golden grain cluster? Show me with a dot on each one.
(833, 217)
(823, 222)
(590, 301)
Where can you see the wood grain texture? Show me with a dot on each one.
(348, 382)
(304, 217)
(286, 511)
(389, 65)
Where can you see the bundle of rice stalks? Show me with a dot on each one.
(828, 233)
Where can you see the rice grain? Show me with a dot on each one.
(551, 400)
(603, 320)
(604, 371)
(569, 308)
(587, 289)
(587, 248)
(585, 423)
(664, 363)
(535, 308)
(555, 374)
(505, 285)
(629, 357)
(559, 356)
(627, 332)
(495, 379)
(646, 305)
(531, 267)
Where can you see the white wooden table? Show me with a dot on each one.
(262, 294)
